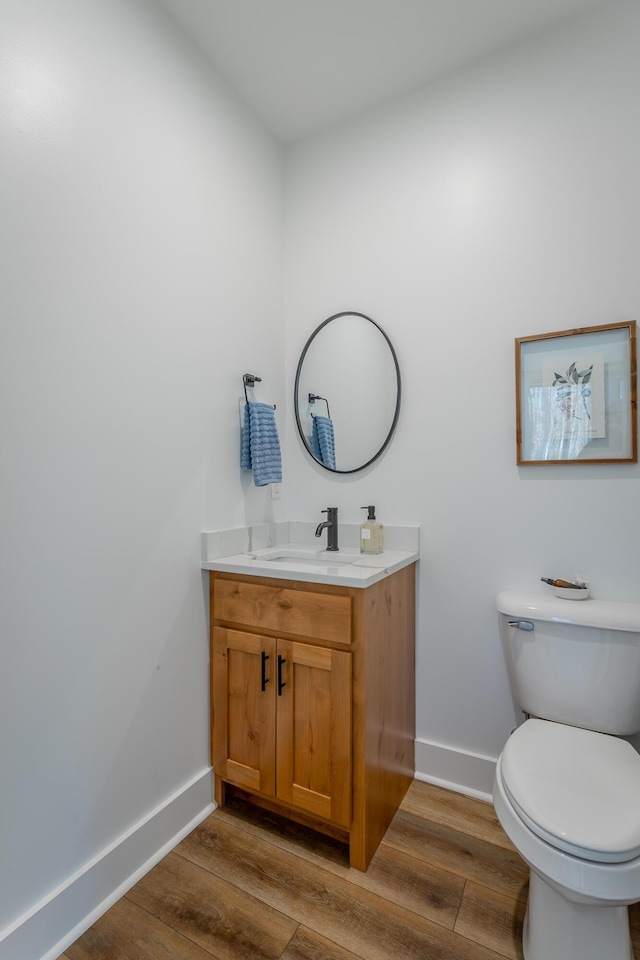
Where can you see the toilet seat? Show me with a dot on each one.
(576, 789)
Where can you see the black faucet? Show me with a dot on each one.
(331, 526)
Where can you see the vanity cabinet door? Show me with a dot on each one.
(282, 721)
(244, 707)
(313, 733)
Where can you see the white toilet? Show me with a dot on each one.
(567, 789)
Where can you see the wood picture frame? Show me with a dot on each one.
(576, 396)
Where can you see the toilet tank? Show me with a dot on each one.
(579, 664)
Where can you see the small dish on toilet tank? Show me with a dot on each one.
(576, 589)
(572, 593)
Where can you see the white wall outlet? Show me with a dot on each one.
(276, 491)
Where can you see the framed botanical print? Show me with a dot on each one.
(576, 396)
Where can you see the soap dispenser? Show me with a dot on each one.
(371, 533)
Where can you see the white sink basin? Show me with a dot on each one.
(310, 561)
(312, 558)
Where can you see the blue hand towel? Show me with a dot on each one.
(260, 444)
(323, 441)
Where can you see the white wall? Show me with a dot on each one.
(503, 201)
(141, 276)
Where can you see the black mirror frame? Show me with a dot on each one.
(336, 316)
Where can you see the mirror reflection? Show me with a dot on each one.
(347, 392)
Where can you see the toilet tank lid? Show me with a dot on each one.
(602, 614)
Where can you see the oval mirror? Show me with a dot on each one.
(347, 392)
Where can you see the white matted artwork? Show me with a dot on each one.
(576, 396)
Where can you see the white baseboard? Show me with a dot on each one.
(468, 773)
(71, 908)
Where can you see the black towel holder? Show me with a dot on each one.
(316, 396)
(250, 380)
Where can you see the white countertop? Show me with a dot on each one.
(305, 559)
(347, 567)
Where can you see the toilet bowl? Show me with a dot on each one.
(568, 799)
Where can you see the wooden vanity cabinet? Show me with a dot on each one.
(312, 700)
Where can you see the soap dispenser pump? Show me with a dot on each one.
(371, 533)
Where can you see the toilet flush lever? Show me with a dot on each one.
(521, 624)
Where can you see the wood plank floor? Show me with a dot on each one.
(445, 884)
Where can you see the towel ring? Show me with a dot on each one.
(315, 396)
(250, 380)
